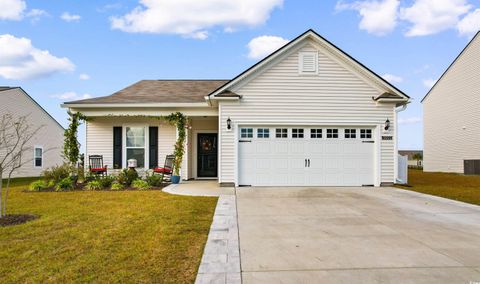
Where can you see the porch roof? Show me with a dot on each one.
(159, 91)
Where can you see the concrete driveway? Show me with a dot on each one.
(356, 235)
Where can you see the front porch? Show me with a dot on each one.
(149, 140)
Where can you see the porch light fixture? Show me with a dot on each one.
(387, 124)
(229, 123)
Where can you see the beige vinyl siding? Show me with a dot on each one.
(452, 115)
(50, 136)
(100, 136)
(280, 95)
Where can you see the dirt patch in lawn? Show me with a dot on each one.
(16, 219)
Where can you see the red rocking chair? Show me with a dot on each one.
(96, 165)
(167, 166)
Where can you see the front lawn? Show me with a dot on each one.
(100, 236)
(452, 186)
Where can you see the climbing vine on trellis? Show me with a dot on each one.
(71, 146)
(179, 120)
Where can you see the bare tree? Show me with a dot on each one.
(15, 135)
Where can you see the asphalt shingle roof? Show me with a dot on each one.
(160, 91)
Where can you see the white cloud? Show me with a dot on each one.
(378, 17)
(20, 60)
(392, 78)
(193, 18)
(409, 120)
(262, 46)
(71, 96)
(12, 9)
(433, 16)
(67, 17)
(429, 83)
(84, 77)
(470, 24)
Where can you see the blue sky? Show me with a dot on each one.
(60, 50)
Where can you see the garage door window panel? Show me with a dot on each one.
(365, 133)
(263, 133)
(350, 133)
(332, 133)
(297, 133)
(246, 132)
(316, 133)
(281, 133)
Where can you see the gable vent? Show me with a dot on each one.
(308, 63)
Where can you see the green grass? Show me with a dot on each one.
(452, 186)
(127, 236)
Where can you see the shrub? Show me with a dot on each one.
(127, 176)
(117, 186)
(154, 180)
(106, 181)
(94, 185)
(140, 184)
(38, 185)
(57, 173)
(64, 184)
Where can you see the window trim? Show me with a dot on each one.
(35, 156)
(145, 147)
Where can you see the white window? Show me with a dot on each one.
(135, 144)
(38, 157)
(365, 133)
(332, 133)
(281, 133)
(246, 133)
(297, 133)
(263, 133)
(308, 62)
(316, 133)
(350, 133)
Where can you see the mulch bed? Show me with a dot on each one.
(16, 219)
(81, 187)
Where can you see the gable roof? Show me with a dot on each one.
(314, 35)
(5, 88)
(477, 36)
(159, 91)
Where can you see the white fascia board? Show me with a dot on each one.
(134, 105)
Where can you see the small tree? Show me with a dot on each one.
(417, 157)
(15, 135)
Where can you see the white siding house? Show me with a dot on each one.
(452, 114)
(46, 146)
(307, 115)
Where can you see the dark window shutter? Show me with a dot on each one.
(117, 147)
(153, 147)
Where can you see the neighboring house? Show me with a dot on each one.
(46, 146)
(411, 155)
(451, 111)
(307, 115)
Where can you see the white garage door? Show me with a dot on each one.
(306, 156)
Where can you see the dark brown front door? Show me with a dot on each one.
(207, 155)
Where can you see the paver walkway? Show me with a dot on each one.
(221, 258)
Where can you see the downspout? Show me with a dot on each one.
(397, 110)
